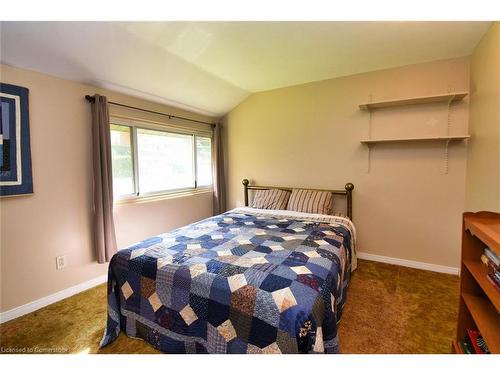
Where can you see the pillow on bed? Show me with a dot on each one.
(311, 201)
(273, 199)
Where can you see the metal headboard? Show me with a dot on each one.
(347, 192)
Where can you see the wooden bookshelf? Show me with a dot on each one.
(479, 306)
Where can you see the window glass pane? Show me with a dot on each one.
(165, 161)
(204, 161)
(121, 153)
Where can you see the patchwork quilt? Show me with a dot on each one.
(245, 281)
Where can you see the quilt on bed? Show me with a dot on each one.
(240, 282)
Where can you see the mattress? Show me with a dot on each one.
(246, 281)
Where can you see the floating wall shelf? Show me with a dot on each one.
(420, 139)
(448, 97)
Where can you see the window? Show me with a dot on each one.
(165, 161)
(121, 153)
(204, 161)
(148, 161)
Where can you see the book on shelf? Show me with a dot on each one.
(473, 343)
(465, 348)
(495, 275)
(482, 345)
(477, 341)
(497, 287)
(490, 260)
(492, 256)
(492, 269)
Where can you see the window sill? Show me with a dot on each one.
(161, 196)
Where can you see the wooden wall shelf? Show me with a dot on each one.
(416, 139)
(448, 97)
(479, 306)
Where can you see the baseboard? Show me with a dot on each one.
(45, 301)
(409, 263)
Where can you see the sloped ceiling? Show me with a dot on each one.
(210, 67)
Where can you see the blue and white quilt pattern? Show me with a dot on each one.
(240, 282)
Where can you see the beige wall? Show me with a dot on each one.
(308, 135)
(483, 162)
(56, 219)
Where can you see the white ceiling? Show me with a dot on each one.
(210, 67)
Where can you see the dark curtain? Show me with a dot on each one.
(104, 226)
(218, 172)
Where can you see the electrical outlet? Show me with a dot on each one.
(60, 262)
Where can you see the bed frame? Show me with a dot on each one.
(347, 192)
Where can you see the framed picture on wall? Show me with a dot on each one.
(15, 152)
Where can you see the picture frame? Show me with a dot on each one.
(15, 148)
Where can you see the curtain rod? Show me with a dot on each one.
(91, 99)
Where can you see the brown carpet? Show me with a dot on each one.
(389, 309)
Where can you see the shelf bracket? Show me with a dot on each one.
(448, 127)
(370, 124)
(446, 156)
(369, 137)
(369, 161)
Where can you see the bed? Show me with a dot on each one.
(246, 281)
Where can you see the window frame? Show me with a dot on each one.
(134, 125)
